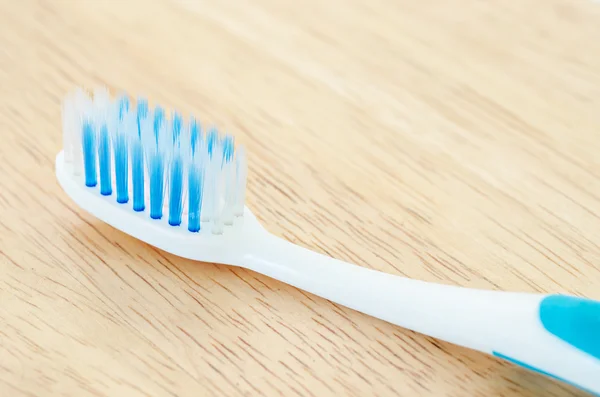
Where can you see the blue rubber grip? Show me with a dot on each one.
(574, 320)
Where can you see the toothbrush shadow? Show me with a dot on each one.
(200, 276)
(539, 384)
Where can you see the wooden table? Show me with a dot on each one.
(450, 141)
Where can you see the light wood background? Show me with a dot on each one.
(454, 141)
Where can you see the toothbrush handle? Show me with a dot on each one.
(552, 334)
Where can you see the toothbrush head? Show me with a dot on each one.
(154, 175)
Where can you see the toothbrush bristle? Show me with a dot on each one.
(104, 162)
(152, 162)
(159, 116)
(212, 137)
(121, 152)
(155, 154)
(194, 134)
(137, 157)
(123, 104)
(176, 174)
(88, 139)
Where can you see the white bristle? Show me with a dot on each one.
(68, 114)
(102, 100)
(81, 106)
(228, 193)
(210, 190)
(241, 176)
(220, 176)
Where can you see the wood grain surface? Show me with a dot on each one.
(454, 141)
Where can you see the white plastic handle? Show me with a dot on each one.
(505, 324)
(555, 335)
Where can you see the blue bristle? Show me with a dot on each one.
(88, 141)
(121, 168)
(156, 171)
(104, 162)
(195, 199)
(211, 140)
(194, 135)
(176, 191)
(156, 166)
(137, 159)
(142, 112)
(176, 125)
(122, 156)
(176, 175)
(225, 145)
(123, 107)
(228, 148)
(159, 116)
(137, 176)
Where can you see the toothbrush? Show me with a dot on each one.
(168, 182)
